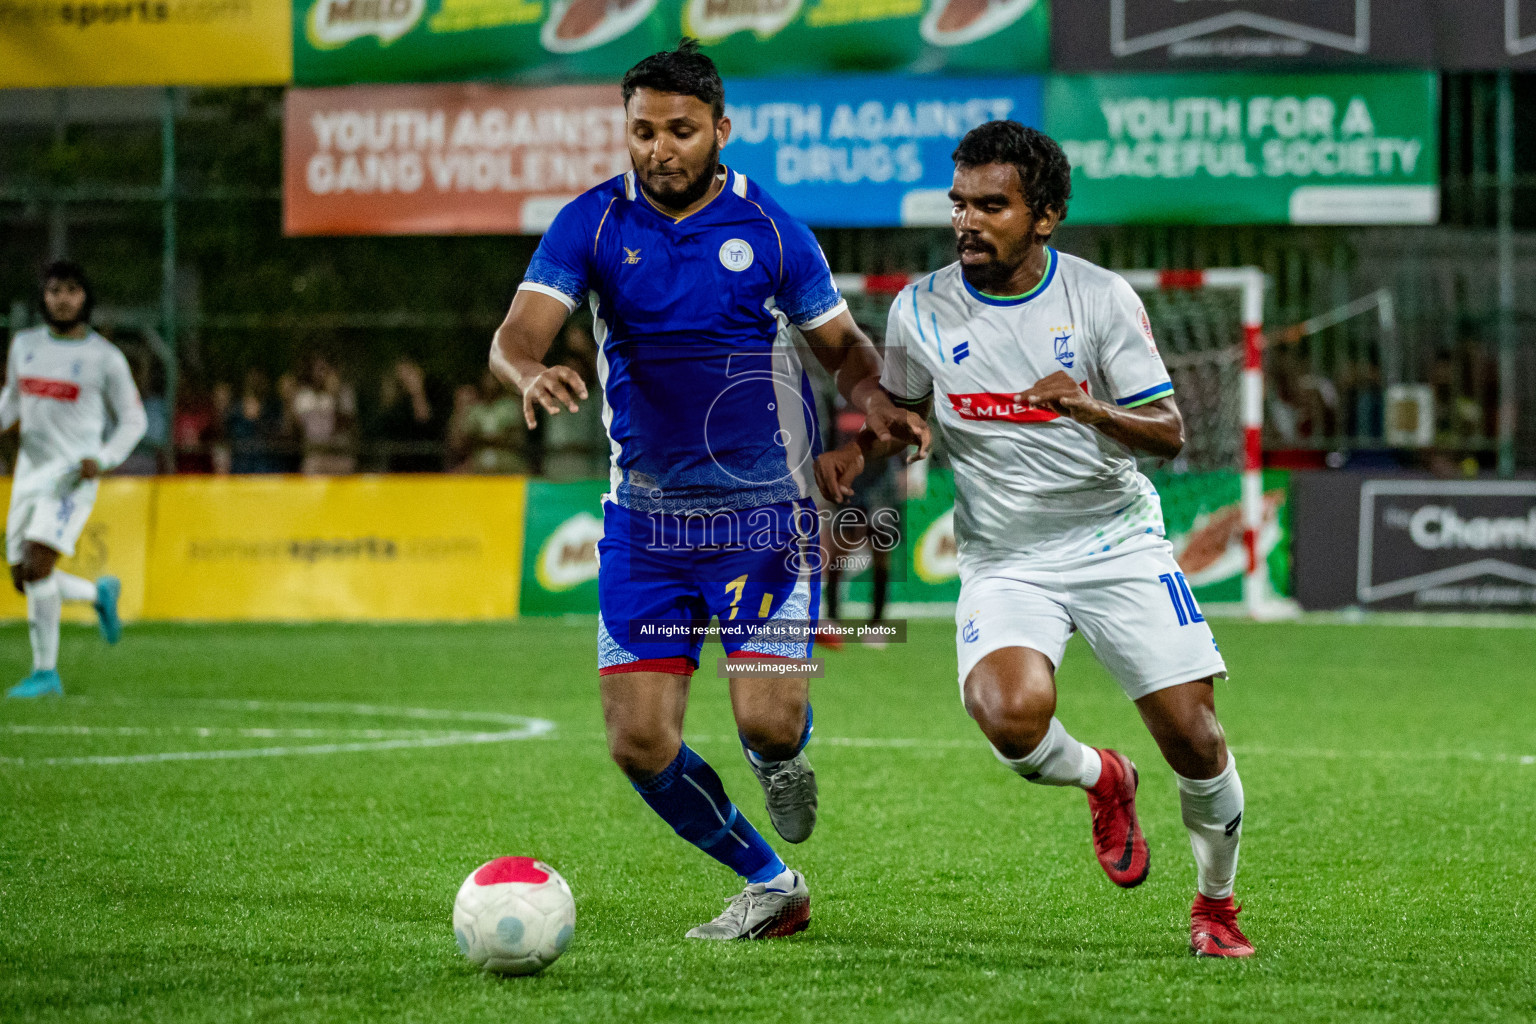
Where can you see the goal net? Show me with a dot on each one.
(1226, 530)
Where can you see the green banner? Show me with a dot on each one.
(1250, 149)
(337, 42)
(1203, 515)
(562, 526)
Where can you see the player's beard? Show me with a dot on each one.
(993, 276)
(63, 326)
(681, 199)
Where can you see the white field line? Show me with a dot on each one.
(208, 731)
(898, 743)
(522, 728)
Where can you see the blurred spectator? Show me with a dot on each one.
(487, 433)
(406, 423)
(323, 407)
(575, 445)
(253, 427)
(197, 426)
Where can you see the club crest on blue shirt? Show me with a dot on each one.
(1064, 354)
(735, 255)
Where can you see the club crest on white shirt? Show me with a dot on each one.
(736, 255)
(1064, 354)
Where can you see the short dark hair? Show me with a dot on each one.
(68, 270)
(1045, 176)
(685, 71)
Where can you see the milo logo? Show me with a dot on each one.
(716, 19)
(334, 23)
(568, 558)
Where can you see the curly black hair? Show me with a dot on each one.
(685, 71)
(68, 270)
(1045, 176)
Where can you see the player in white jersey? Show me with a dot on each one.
(1042, 374)
(80, 415)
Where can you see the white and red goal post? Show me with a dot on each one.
(1248, 283)
(1203, 341)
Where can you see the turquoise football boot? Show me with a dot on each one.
(108, 589)
(43, 682)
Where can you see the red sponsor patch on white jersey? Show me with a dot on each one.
(44, 387)
(993, 405)
(997, 405)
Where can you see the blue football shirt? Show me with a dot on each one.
(706, 399)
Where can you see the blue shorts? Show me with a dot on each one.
(662, 577)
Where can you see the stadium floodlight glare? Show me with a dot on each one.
(1209, 326)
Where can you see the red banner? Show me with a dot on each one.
(444, 159)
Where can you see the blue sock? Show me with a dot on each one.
(805, 737)
(690, 797)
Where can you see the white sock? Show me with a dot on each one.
(1213, 813)
(75, 588)
(43, 606)
(1058, 760)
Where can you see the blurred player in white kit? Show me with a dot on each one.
(80, 415)
(1043, 376)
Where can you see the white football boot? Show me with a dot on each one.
(789, 790)
(761, 911)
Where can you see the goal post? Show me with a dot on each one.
(1248, 284)
(1209, 326)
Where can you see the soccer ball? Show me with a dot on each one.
(514, 915)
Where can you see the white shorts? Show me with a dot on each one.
(1133, 607)
(51, 519)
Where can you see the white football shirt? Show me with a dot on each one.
(75, 399)
(1031, 487)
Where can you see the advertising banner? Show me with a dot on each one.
(1416, 545)
(343, 41)
(59, 43)
(1250, 149)
(1477, 35)
(1203, 515)
(865, 151)
(444, 159)
(564, 524)
(114, 543)
(1125, 35)
(348, 549)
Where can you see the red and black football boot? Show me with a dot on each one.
(1117, 838)
(1213, 929)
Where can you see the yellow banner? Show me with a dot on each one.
(351, 548)
(56, 43)
(114, 543)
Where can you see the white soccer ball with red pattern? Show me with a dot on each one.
(514, 915)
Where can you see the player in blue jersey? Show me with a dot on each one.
(696, 278)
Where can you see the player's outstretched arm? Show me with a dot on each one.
(836, 470)
(1156, 428)
(518, 350)
(848, 353)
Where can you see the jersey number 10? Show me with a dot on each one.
(1183, 601)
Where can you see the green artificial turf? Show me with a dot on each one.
(1386, 864)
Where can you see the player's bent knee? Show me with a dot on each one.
(775, 738)
(1012, 714)
(643, 756)
(1199, 751)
